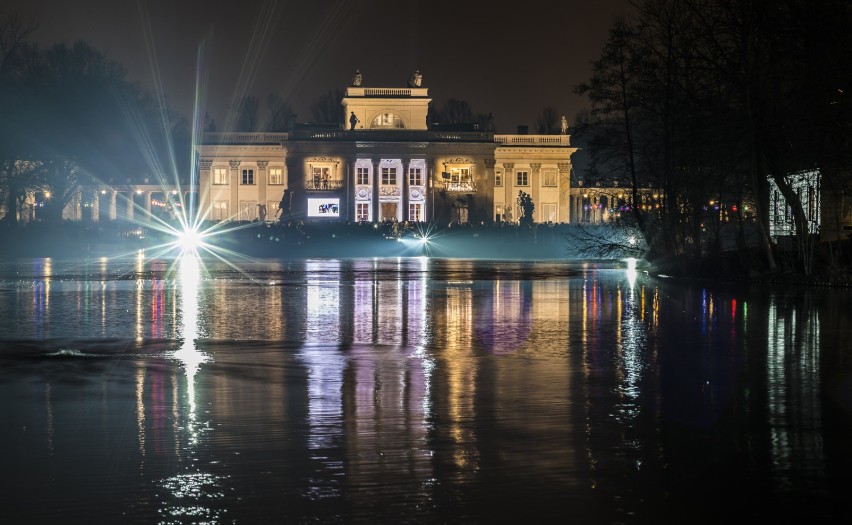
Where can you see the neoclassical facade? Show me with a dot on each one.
(383, 163)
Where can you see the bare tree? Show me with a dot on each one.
(328, 108)
(247, 114)
(455, 111)
(13, 34)
(281, 116)
(548, 122)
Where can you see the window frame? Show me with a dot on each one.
(389, 176)
(362, 176)
(247, 178)
(217, 181)
(219, 210)
(415, 176)
(362, 212)
(545, 216)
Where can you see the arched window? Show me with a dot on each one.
(387, 120)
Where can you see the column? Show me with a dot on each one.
(113, 205)
(350, 188)
(130, 195)
(535, 185)
(261, 182)
(376, 180)
(489, 189)
(406, 166)
(509, 185)
(234, 205)
(204, 187)
(148, 205)
(431, 188)
(96, 210)
(564, 189)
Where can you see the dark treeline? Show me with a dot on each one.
(703, 101)
(69, 118)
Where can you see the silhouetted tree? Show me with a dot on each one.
(702, 100)
(455, 111)
(281, 116)
(247, 114)
(71, 119)
(328, 108)
(548, 122)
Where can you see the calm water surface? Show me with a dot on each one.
(416, 391)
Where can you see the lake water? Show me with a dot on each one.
(417, 391)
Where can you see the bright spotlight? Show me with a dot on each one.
(189, 240)
(424, 240)
(631, 271)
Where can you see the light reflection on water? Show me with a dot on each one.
(365, 390)
(193, 493)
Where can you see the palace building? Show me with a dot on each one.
(384, 163)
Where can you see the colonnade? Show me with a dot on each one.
(115, 200)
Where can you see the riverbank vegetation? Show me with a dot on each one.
(697, 105)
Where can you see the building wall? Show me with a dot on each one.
(243, 176)
(225, 194)
(456, 180)
(539, 165)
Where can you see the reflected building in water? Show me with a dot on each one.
(444, 385)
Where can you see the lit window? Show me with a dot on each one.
(387, 120)
(523, 178)
(389, 176)
(319, 177)
(415, 178)
(276, 176)
(548, 178)
(362, 211)
(220, 176)
(363, 176)
(248, 210)
(220, 211)
(271, 209)
(415, 212)
(248, 177)
(498, 178)
(548, 212)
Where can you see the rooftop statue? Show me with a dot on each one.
(356, 80)
(415, 79)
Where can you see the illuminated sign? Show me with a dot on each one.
(324, 207)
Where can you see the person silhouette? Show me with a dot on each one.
(353, 121)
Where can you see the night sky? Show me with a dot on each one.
(510, 59)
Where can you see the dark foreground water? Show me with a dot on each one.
(417, 391)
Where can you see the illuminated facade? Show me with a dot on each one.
(383, 164)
